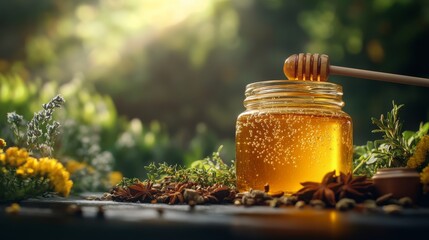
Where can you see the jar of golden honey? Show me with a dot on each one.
(291, 132)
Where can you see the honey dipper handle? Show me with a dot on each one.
(387, 77)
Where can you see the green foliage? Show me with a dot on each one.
(87, 119)
(125, 182)
(393, 150)
(17, 95)
(14, 187)
(94, 135)
(22, 176)
(205, 172)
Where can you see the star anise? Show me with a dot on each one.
(324, 191)
(121, 194)
(216, 194)
(353, 187)
(142, 192)
(175, 193)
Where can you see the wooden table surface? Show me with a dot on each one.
(53, 219)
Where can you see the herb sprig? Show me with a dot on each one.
(206, 172)
(393, 150)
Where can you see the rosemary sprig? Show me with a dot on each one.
(395, 146)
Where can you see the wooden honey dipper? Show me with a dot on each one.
(316, 67)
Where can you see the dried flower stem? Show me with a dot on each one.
(33, 137)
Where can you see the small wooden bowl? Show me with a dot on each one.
(401, 182)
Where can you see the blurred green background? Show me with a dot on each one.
(164, 80)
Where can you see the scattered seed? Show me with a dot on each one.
(193, 195)
(345, 204)
(371, 206)
(248, 201)
(392, 209)
(369, 203)
(317, 204)
(383, 200)
(257, 194)
(106, 197)
(273, 203)
(290, 200)
(406, 202)
(91, 197)
(300, 204)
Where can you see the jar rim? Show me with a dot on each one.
(277, 93)
(274, 82)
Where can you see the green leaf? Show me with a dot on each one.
(423, 129)
(408, 134)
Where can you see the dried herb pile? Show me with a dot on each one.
(206, 172)
(166, 190)
(210, 180)
(172, 193)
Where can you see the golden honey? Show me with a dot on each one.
(291, 132)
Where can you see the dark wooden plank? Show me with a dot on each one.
(53, 218)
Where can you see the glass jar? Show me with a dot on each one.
(291, 132)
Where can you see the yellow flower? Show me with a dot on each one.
(61, 182)
(65, 189)
(420, 153)
(47, 165)
(16, 156)
(424, 178)
(57, 174)
(30, 168)
(20, 172)
(72, 166)
(2, 143)
(115, 177)
(14, 208)
(26, 166)
(32, 163)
